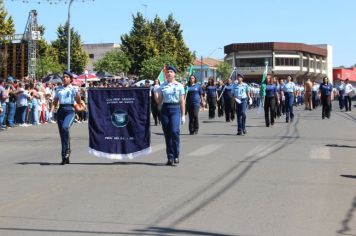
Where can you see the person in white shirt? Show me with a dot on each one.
(348, 95)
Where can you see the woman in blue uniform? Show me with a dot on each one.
(212, 95)
(325, 96)
(65, 95)
(271, 100)
(229, 101)
(194, 99)
(289, 94)
(241, 95)
(171, 94)
(220, 99)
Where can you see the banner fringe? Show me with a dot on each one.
(114, 156)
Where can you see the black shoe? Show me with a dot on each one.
(267, 125)
(244, 131)
(191, 132)
(239, 133)
(176, 160)
(169, 162)
(63, 162)
(287, 121)
(67, 161)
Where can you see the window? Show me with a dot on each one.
(253, 62)
(285, 61)
(91, 56)
(305, 63)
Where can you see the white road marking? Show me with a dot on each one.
(158, 147)
(321, 153)
(205, 150)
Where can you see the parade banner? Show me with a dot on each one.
(119, 122)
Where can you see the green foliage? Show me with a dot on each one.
(113, 62)
(223, 70)
(153, 66)
(47, 62)
(79, 57)
(149, 39)
(7, 28)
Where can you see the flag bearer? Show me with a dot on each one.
(171, 94)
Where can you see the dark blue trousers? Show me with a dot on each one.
(241, 115)
(170, 120)
(289, 106)
(65, 118)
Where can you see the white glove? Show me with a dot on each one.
(238, 100)
(182, 120)
(250, 101)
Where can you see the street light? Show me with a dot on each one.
(68, 35)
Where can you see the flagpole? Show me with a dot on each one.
(225, 86)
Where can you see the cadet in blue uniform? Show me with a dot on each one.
(289, 93)
(65, 95)
(325, 96)
(241, 96)
(229, 101)
(271, 100)
(194, 99)
(212, 95)
(171, 94)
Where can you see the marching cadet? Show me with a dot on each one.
(289, 91)
(194, 99)
(271, 100)
(66, 95)
(171, 94)
(325, 96)
(241, 96)
(229, 101)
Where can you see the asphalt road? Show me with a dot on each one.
(293, 179)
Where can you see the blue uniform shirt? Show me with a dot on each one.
(228, 91)
(325, 89)
(240, 90)
(171, 92)
(193, 94)
(211, 91)
(289, 87)
(66, 95)
(271, 90)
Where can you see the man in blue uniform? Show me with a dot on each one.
(66, 96)
(171, 94)
(289, 92)
(241, 95)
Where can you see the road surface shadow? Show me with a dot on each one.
(123, 163)
(345, 223)
(157, 231)
(340, 146)
(349, 176)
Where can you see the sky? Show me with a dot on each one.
(207, 25)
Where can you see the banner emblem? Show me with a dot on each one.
(119, 118)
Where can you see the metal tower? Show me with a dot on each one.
(31, 35)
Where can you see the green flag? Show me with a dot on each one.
(161, 77)
(263, 83)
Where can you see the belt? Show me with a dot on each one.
(66, 105)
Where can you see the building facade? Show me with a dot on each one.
(97, 51)
(205, 68)
(297, 59)
(344, 73)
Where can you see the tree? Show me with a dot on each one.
(7, 28)
(148, 39)
(79, 57)
(114, 62)
(153, 66)
(47, 62)
(223, 70)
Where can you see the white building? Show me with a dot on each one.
(297, 59)
(97, 51)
